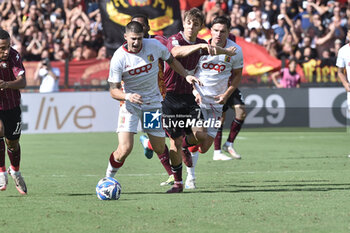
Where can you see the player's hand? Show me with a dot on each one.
(198, 99)
(3, 85)
(136, 98)
(212, 50)
(220, 99)
(231, 51)
(347, 88)
(192, 80)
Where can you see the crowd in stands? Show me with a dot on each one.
(72, 29)
(56, 30)
(298, 29)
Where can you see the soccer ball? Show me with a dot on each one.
(108, 188)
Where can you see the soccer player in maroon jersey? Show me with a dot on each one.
(12, 78)
(179, 103)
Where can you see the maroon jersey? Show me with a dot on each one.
(9, 70)
(173, 81)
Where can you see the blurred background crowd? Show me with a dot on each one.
(53, 29)
(61, 29)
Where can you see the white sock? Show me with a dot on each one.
(111, 171)
(190, 170)
(145, 143)
(216, 152)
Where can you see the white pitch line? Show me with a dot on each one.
(216, 173)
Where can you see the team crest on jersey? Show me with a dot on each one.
(150, 58)
(3, 65)
(227, 58)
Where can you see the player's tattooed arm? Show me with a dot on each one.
(115, 85)
(117, 93)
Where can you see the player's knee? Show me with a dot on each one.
(12, 145)
(124, 150)
(240, 113)
(158, 148)
(243, 115)
(178, 143)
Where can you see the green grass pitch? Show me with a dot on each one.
(286, 182)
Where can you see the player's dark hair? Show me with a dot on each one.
(222, 20)
(134, 27)
(194, 13)
(4, 34)
(144, 17)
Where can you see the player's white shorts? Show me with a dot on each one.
(212, 115)
(130, 114)
(348, 98)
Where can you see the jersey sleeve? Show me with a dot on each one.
(340, 59)
(164, 52)
(116, 69)
(237, 60)
(172, 42)
(17, 65)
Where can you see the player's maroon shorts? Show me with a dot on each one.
(235, 99)
(12, 122)
(178, 108)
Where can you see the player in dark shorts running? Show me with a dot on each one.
(179, 104)
(12, 78)
(236, 102)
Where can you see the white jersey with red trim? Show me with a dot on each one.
(343, 59)
(139, 71)
(214, 72)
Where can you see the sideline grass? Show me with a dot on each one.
(286, 182)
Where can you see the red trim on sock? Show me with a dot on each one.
(114, 163)
(193, 148)
(149, 145)
(15, 169)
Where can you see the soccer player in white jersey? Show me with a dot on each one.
(220, 76)
(343, 64)
(136, 64)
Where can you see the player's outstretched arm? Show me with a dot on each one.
(185, 50)
(19, 83)
(236, 78)
(216, 50)
(177, 66)
(115, 89)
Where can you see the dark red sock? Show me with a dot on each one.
(164, 159)
(177, 172)
(15, 158)
(217, 140)
(235, 128)
(114, 163)
(2, 156)
(149, 145)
